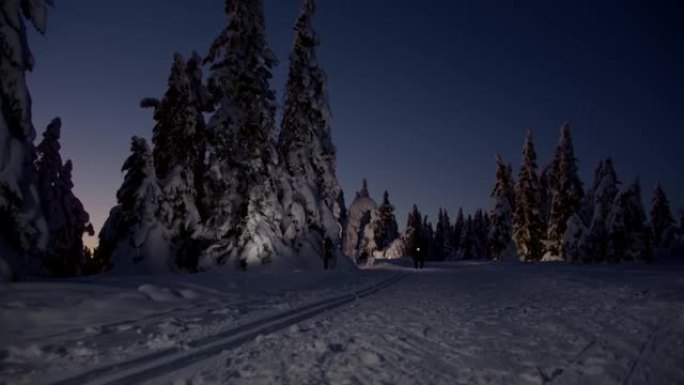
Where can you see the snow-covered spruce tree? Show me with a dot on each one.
(629, 236)
(243, 225)
(500, 239)
(133, 239)
(528, 230)
(66, 218)
(179, 150)
(459, 223)
(576, 245)
(662, 222)
(504, 184)
(604, 189)
(443, 236)
(308, 156)
(23, 232)
(566, 193)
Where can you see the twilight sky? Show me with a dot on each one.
(424, 93)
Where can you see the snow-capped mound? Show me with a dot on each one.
(358, 216)
(380, 232)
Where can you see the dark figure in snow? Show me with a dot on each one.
(327, 252)
(418, 258)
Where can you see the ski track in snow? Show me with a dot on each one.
(453, 323)
(151, 366)
(132, 343)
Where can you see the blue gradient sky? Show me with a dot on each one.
(424, 94)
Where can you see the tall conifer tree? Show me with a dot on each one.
(528, 230)
(243, 225)
(178, 153)
(661, 217)
(605, 187)
(500, 233)
(384, 224)
(66, 218)
(629, 236)
(305, 142)
(443, 235)
(133, 239)
(414, 237)
(459, 223)
(566, 191)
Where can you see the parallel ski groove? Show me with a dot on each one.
(153, 365)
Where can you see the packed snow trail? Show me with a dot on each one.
(480, 324)
(150, 365)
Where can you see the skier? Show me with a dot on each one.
(418, 258)
(327, 252)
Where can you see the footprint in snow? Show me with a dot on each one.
(370, 358)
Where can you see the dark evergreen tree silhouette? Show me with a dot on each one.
(661, 216)
(528, 225)
(566, 191)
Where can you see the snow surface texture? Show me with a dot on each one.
(469, 323)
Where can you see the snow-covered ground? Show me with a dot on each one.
(451, 323)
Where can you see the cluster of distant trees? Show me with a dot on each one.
(376, 234)
(547, 215)
(554, 218)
